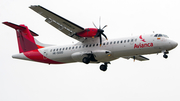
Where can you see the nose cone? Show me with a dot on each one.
(174, 44)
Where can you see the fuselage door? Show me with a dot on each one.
(45, 54)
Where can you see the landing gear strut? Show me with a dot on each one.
(165, 54)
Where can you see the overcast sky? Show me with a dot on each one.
(125, 80)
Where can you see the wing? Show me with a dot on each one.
(136, 57)
(67, 27)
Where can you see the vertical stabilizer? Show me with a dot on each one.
(25, 37)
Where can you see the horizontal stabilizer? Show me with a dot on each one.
(19, 27)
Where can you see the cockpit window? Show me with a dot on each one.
(156, 35)
(161, 35)
(165, 36)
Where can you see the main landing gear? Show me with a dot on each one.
(165, 54)
(87, 60)
(104, 66)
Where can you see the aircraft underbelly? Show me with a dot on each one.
(59, 56)
(65, 58)
(132, 52)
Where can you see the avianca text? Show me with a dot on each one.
(141, 45)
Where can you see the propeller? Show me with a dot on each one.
(100, 31)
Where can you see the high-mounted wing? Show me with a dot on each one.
(137, 57)
(67, 27)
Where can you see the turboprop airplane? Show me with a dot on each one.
(91, 48)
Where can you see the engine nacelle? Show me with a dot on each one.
(89, 32)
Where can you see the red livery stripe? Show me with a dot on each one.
(35, 55)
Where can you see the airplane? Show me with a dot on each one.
(91, 46)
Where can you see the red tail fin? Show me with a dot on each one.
(25, 37)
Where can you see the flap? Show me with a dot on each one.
(136, 57)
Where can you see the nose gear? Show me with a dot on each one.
(165, 54)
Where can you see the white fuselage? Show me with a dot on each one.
(110, 49)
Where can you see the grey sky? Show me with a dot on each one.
(125, 80)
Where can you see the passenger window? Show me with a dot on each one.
(135, 40)
(66, 48)
(97, 44)
(117, 42)
(110, 42)
(69, 48)
(114, 42)
(124, 41)
(90, 45)
(79, 46)
(83, 46)
(63, 49)
(72, 47)
(128, 40)
(51, 50)
(76, 47)
(54, 50)
(86, 45)
(121, 41)
(131, 40)
(107, 43)
(93, 45)
(103, 43)
(60, 49)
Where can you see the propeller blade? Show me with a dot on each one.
(100, 40)
(105, 36)
(94, 25)
(97, 34)
(100, 31)
(99, 22)
(104, 26)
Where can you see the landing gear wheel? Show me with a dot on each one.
(103, 67)
(165, 56)
(86, 60)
